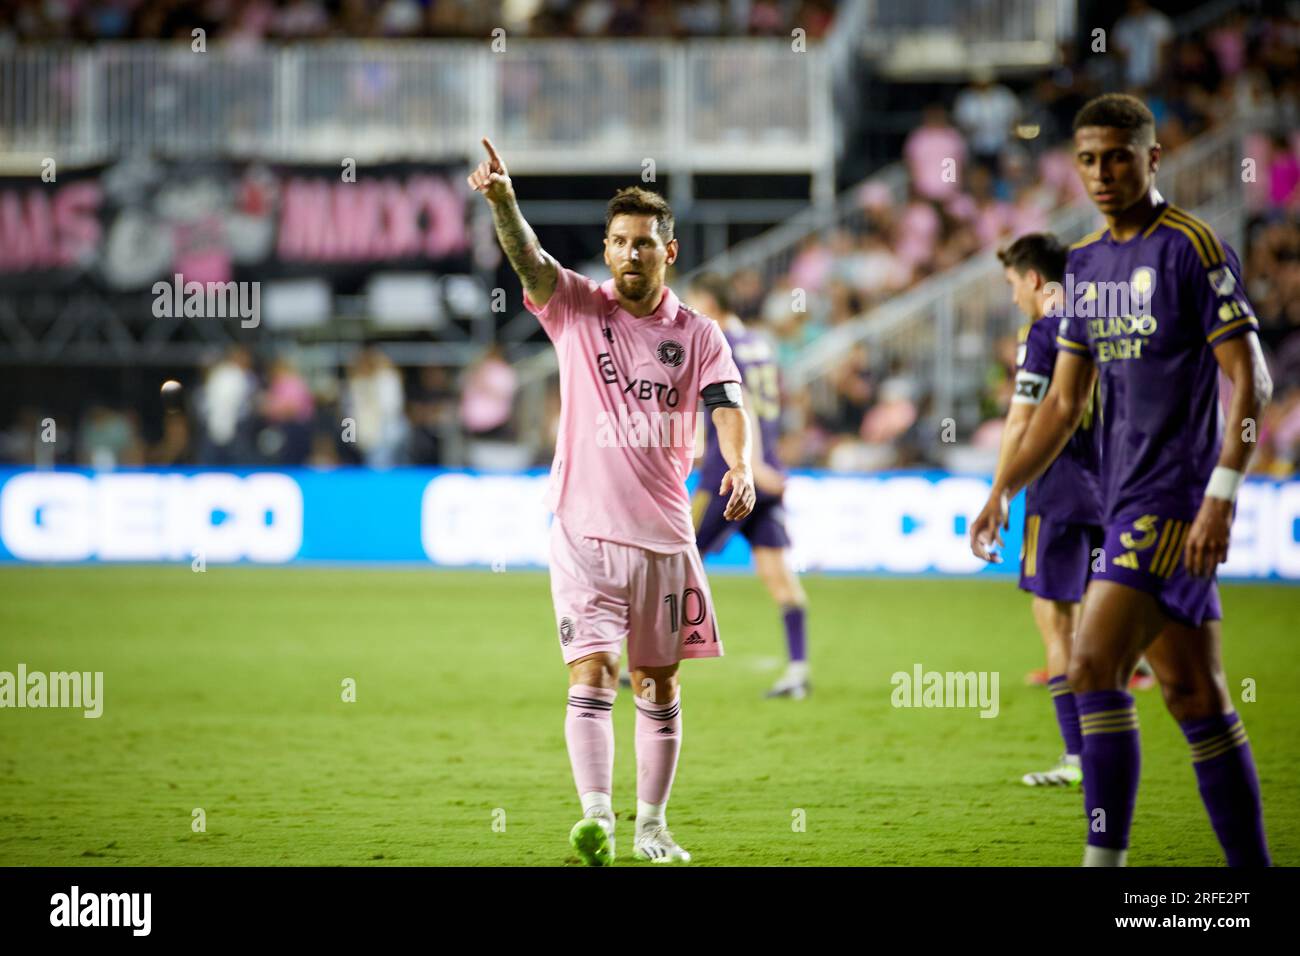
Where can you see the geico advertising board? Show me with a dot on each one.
(893, 523)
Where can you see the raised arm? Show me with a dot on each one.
(536, 269)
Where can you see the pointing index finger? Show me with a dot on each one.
(491, 151)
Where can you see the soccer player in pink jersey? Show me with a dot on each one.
(633, 363)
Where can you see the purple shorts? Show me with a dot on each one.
(1145, 551)
(1055, 557)
(764, 527)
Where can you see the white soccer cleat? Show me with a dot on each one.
(655, 843)
(592, 838)
(792, 684)
(1067, 773)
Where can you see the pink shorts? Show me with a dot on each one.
(605, 591)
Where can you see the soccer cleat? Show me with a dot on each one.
(1067, 773)
(656, 844)
(793, 686)
(593, 839)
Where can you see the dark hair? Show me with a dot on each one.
(635, 201)
(1040, 251)
(1119, 110)
(716, 287)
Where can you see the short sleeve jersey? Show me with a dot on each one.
(756, 358)
(629, 394)
(1150, 311)
(1070, 489)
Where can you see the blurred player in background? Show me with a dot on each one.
(1169, 469)
(764, 529)
(1063, 505)
(623, 557)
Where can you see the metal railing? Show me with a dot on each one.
(944, 328)
(772, 252)
(738, 105)
(916, 37)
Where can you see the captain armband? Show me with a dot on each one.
(722, 395)
(1031, 388)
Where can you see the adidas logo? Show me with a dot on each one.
(665, 731)
(586, 715)
(694, 638)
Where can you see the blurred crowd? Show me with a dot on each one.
(992, 163)
(253, 21)
(987, 161)
(244, 411)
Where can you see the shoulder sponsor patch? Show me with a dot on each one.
(1222, 281)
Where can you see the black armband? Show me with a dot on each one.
(722, 395)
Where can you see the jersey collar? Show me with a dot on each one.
(1157, 211)
(666, 314)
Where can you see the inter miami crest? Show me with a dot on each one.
(566, 630)
(671, 353)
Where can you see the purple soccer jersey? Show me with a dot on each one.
(1161, 426)
(765, 526)
(756, 359)
(1063, 505)
(1070, 489)
(1149, 312)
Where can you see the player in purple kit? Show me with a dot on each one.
(1063, 506)
(764, 529)
(1155, 303)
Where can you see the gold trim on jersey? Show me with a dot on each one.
(1159, 219)
(1248, 320)
(1089, 239)
(1201, 235)
(1065, 343)
(1216, 247)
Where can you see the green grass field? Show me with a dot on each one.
(223, 692)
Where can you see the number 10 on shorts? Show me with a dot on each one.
(688, 618)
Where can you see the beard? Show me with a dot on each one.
(637, 288)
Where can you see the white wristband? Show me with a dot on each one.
(1223, 483)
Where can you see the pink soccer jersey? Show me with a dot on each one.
(628, 401)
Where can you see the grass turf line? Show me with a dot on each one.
(223, 692)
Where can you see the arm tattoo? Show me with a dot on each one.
(527, 258)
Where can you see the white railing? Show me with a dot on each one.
(772, 252)
(726, 105)
(943, 329)
(938, 37)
